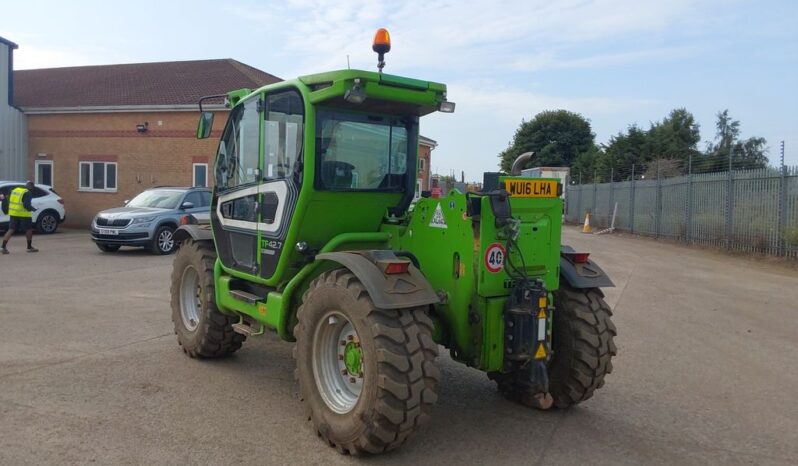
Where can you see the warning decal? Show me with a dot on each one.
(494, 258)
(541, 352)
(438, 221)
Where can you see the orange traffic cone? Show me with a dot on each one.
(587, 228)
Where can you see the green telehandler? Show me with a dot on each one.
(316, 232)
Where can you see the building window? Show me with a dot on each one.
(421, 164)
(200, 175)
(44, 172)
(97, 176)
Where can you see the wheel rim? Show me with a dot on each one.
(337, 362)
(165, 241)
(49, 223)
(190, 299)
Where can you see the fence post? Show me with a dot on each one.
(730, 202)
(632, 203)
(688, 220)
(782, 221)
(595, 192)
(579, 204)
(658, 206)
(612, 187)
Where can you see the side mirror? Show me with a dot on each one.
(205, 125)
(187, 205)
(125, 201)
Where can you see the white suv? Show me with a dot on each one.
(49, 206)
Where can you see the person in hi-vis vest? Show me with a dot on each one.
(19, 207)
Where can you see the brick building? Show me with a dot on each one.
(101, 134)
(425, 146)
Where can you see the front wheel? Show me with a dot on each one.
(201, 329)
(367, 376)
(163, 242)
(582, 341)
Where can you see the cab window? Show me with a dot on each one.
(238, 157)
(361, 152)
(282, 134)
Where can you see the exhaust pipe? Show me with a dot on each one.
(519, 163)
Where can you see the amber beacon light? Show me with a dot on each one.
(381, 45)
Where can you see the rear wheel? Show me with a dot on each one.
(582, 341)
(367, 376)
(163, 242)
(47, 222)
(107, 247)
(201, 329)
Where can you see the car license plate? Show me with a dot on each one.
(108, 231)
(531, 188)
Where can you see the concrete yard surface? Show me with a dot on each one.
(90, 372)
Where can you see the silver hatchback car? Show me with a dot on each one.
(149, 219)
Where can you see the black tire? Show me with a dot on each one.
(212, 335)
(163, 242)
(399, 373)
(108, 247)
(582, 341)
(47, 222)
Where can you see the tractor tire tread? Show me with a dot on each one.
(583, 358)
(217, 338)
(407, 378)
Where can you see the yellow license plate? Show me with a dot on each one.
(531, 188)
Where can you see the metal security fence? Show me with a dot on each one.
(744, 210)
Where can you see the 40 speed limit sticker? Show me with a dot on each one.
(494, 258)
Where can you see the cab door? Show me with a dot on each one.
(282, 142)
(237, 173)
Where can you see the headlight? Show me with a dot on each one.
(143, 220)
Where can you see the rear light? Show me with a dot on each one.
(580, 257)
(60, 201)
(394, 267)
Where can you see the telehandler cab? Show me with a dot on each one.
(314, 234)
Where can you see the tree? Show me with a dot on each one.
(676, 137)
(558, 137)
(745, 154)
(624, 150)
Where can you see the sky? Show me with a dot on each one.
(616, 62)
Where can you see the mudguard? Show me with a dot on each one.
(587, 275)
(194, 232)
(395, 291)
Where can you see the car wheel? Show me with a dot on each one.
(47, 222)
(164, 241)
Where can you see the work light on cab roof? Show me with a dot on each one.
(381, 45)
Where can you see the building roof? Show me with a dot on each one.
(8, 43)
(425, 141)
(137, 84)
